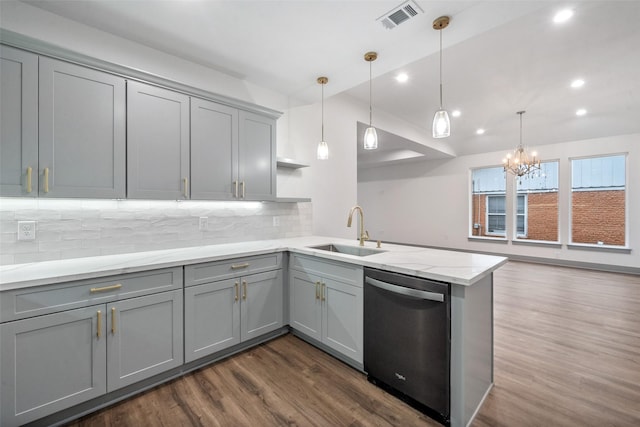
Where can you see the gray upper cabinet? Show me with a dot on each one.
(157, 143)
(18, 123)
(257, 157)
(233, 153)
(214, 150)
(82, 132)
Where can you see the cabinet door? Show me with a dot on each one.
(51, 362)
(82, 132)
(305, 304)
(214, 150)
(257, 157)
(342, 320)
(145, 337)
(262, 304)
(18, 122)
(211, 318)
(157, 143)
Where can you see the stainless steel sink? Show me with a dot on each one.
(346, 249)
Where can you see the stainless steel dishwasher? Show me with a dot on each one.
(407, 339)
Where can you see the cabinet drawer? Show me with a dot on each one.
(36, 301)
(220, 270)
(347, 273)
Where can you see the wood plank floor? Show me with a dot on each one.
(567, 353)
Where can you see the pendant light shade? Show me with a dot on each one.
(441, 123)
(370, 135)
(323, 149)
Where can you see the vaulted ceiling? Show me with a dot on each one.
(499, 57)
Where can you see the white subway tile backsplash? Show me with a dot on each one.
(72, 228)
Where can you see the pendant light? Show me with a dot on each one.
(441, 123)
(519, 164)
(323, 148)
(370, 135)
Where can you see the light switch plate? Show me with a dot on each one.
(26, 230)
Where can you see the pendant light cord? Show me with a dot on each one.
(370, 96)
(440, 31)
(322, 127)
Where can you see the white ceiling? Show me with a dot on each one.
(499, 57)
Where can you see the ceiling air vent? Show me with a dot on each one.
(399, 14)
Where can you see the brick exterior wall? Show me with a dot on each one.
(542, 216)
(598, 216)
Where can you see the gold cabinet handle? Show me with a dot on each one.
(318, 290)
(106, 288)
(324, 287)
(46, 180)
(244, 290)
(243, 188)
(113, 320)
(236, 288)
(235, 191)
(185, 187)
(99, 331)
(239, 266)
(29, 173)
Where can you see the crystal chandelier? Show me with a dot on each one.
(519, 164)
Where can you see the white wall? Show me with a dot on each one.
(427, 203)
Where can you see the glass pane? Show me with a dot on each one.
(488, 188)
(496, 204)
(520, 226)
(598, 200)
(521, 203)
(537, 205)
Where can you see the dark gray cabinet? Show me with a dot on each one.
(18, 123)
(157, 143)
(225, 304)
(81, 131)
(55, 355)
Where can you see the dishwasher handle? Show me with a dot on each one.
(409, 292)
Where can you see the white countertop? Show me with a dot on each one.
(461, 268)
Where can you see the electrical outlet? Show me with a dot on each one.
(26, 230)
(276, 221)
(203, 223)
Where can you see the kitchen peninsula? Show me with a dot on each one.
(31, 294)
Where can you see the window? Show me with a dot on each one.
(537, 205)
(496, 215)
(488, 206)
(598, 198)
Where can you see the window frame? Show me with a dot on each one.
(504, 215)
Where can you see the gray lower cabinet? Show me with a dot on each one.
(326, 304)
(82, 117)
(18, 123)
(50, 362)
(157, 143)
(222, 313)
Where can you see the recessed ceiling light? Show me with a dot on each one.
(480, 131)
(402, 77)
(456, 113)
(577, 83)
(581, 112)
(563, 16)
